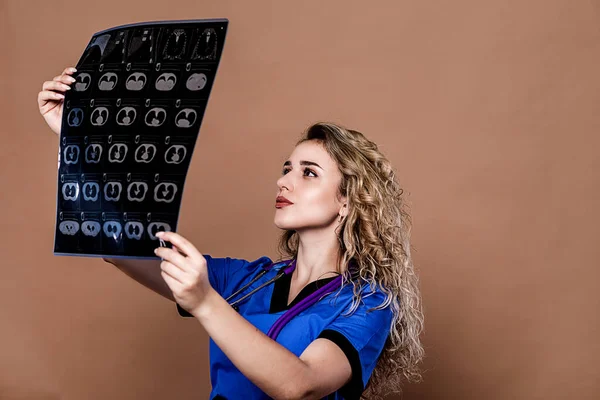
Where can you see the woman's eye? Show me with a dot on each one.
(306, 170)
(309, 170)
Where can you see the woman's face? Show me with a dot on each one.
(310, 180)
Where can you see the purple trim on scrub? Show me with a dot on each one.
(302, 304)
(290, 268)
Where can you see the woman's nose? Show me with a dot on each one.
(284, 181)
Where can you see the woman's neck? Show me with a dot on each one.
(317, 258)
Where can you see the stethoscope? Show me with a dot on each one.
(296, 308)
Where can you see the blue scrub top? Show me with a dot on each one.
(361, 335)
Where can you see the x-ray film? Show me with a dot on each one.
(129, 127)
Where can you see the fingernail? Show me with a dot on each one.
(71, 79)
(155, 251)
(158, 234)
(73, 69)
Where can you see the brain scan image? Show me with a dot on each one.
(112, 229)
(70, 191)
(128, 133)
(91, 191)
(196, 82)
(134, 230)
(117, 153)
(136, 81)
(108, 81)
(166, 82)
(69, 228)
(156, 227)
(114, 51)
(112, 191)
(175, 154)
(175, 46)
(206, 46)
(90, 228)
(141, 45)
(93, 153)
(136, 191)
(185, 118)
(75, 117)
(156, 117)
(126, 116)
(99, 116)
(82, 82)
(71, 154)
(165, 192)
(145, 153)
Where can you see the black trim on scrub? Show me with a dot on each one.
(281, 292)
(353, 389)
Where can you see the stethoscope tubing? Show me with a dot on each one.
(302, 305)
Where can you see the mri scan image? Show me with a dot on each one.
(129, 129)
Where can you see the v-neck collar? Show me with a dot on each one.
(281, 292)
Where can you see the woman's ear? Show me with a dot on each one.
(344, 210)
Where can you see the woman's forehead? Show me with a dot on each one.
(311, 151)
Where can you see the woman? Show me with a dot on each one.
(345, 241)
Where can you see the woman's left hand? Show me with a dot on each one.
(184, 270)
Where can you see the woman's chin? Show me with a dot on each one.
(282, 224)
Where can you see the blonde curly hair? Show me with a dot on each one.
(375, 236)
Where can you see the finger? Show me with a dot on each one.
(175, 258)
(57, 86)
(46, 95)
(177, 249)
(66, 79)
(171, 282)
(182, 243)
(173, 271)
(69, 70)
(48, 101)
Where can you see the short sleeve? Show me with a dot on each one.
(225, 273)
(361, 336)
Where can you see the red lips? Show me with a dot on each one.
(282, 201)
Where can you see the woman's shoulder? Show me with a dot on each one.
(214, 258)
(234, 263)
(362, 299)
(363, 289)
(227, 273)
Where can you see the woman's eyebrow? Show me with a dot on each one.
(303, 162)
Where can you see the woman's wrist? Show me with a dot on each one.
(208, 305)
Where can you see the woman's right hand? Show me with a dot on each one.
(51, 98)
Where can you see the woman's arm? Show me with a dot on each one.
(51, 104)
(321, 369)
(146, 272)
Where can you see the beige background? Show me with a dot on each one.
(488, 110)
